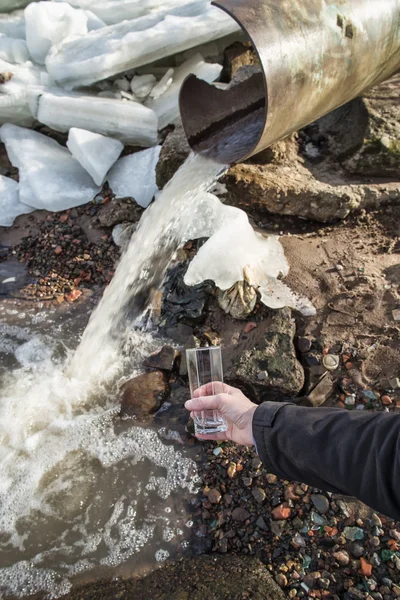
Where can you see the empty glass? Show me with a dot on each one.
(205, 366)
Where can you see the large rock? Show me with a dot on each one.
(142, 396)
(206, 577)
(174, 152)
(265, 361)
(293, 189)
(182, 303)
(379, 155)
(121, 210)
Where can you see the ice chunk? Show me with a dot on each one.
(141, 85)
(48, 23)
(11, 5)
(135, 176)
(13, 24)
(49, 177)
(10, 205)
(14, 107)
(167, 105)
(12, 50)
(128, 121)
(93, 21)
(164, 83)
(96, 153)
(117, 48)
(115, 11)
(242, 254)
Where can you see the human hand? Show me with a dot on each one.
(233, 405)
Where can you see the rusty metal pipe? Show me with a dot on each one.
(315, 55)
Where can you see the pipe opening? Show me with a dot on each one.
(226, 124)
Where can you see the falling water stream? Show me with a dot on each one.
(80, 488)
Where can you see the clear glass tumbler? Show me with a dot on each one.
(205, 367)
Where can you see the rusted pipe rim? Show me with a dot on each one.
(226, 124)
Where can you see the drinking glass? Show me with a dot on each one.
(205, 366)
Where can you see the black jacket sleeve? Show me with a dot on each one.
(348, 452)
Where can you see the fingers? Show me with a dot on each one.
(212, 389)
(206, 403)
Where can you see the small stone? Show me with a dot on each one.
(331, 362)
(320, 502)
(259, 495)
(342, 558)
(232, 470)
(240, 514)
(356, 550)
(350, 400)
(396, 590)
(261, 524)
(217, 451)
(262, 375)
(370, 395)
(292, 593)
(58, 250)
(247, 481)
(355, 594)
(281, 580)
(386, 400)
(256, 463)
(376, 520)
(318, 519)
(365, 567)
(228, 499)
(163, 360)
(298, 541)
(394, 383)
(249, 327)
(271, 478)
(72, 296)
(324, 583)
(396, 314)
(304, 344)
(214, 496)
(353, 533)
(339, 267)
(281, 512)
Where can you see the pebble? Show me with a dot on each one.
(271, 478)
(365, 567)
(240, 514)
(304, 344)
(342, 558)
(353, 533)
(249, 327)
(386, 400)
(281, 512)
(281, 580)
(217, 451)
(331, 362)
(262, 375)
(214, 496)
(356, 550)
(232, 470)
(350, 400)
(318, 519)
(259, 495)
(320, 502)
(261, 524)
(298, 541)
(256, 463)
